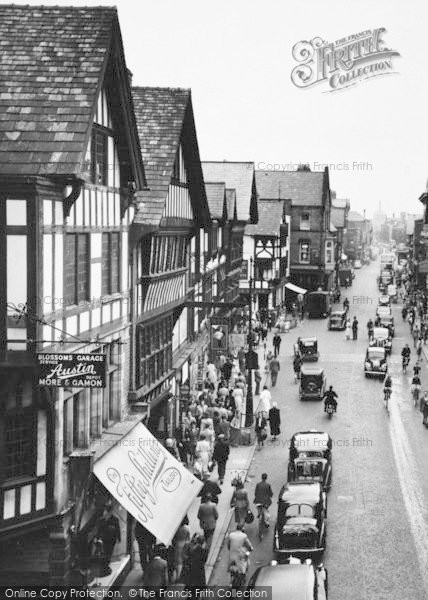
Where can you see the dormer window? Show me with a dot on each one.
(99, 162)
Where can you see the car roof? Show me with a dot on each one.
(337, 313)
(311, 370)
(301, 493)
(388, 317)
(311, 439)
(376, 350)
(308, 339)
(380, 332)
(288, 582)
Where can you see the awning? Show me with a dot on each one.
(295, 288)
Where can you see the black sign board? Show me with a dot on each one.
(72, 370)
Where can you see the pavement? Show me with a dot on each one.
(240, 461)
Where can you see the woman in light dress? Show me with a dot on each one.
(203, 453)
(348, 330)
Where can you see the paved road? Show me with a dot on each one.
(377, 542)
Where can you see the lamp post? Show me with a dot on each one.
(249, 417)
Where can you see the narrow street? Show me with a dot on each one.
(377, 542)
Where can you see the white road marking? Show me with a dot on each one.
(408, 476)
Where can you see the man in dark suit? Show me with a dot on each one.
(156, 574)
(208, 515)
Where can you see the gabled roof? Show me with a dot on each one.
(304, 188)
(164, 119)
(240, 177)
(53, 60)
(216, 197)
(271, 216)
(355, 216)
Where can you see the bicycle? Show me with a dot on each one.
(386, 396)
(405, 363)
(263, 521)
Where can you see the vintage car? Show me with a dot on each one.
(387, 321)
(312, 383)
(375, 362)
(383, 310)
(296, 580)
(307, 349)
(317, 443)
(384, 300)
(337, 320)
(300, 528)
(310, 458)
(382, 339)
(392, 293)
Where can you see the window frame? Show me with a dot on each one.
(99, 134)
(301, 244)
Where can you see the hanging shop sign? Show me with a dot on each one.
(72, 370)
(147, 481)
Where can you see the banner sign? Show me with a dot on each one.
(72, 370)
(154, 487)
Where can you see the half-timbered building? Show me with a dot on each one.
(241, 195)
(266, 256)
(69, 162)
(169, 225)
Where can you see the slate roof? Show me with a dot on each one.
(164, 118)
(51, 62)
(353, 215)
(303, 188)
(271, 215)
(216, 197)
(240, 177)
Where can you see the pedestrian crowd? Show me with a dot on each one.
(202, 443)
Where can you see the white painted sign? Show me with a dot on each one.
(154, 487)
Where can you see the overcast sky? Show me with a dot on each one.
(236, 57)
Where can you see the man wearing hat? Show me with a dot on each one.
(221, 455)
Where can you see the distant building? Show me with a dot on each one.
(312, 236)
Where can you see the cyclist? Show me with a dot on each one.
(416, 368)
(405, 353)
(330, 398)
(387, 389)
(263, 499)
(239, 547)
